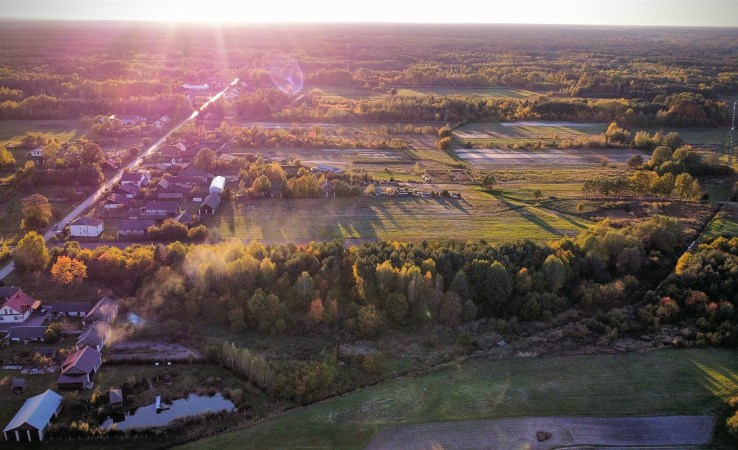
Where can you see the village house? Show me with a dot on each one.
(106, 310)
(134, 227)
(95, 336)
(116, 201)
(326, 188)
(18, 307)
(226, 158)
(162, 122)
(71, 309)
(196, 87)
(185, 218)
(79, 368)
(26, 334)
(186, 181)
(8, 291)
(86, 226)
(128, 191)
(210, 205)
(168, 208)
(37, 152)
(138, 179)
(173, 193)
(190, 172)
(323, 168)
(32, 420)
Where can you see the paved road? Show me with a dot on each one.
(85, 205)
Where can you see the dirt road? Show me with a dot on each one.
(544, 433)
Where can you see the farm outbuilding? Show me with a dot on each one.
(210, 205)
(218, 185)
(116, 397)
(32, 421)
(18, 385)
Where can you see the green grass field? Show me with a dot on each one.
(476, 216)
(664, 382)
(524, 133)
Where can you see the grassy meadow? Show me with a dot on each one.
(501, 216)
(656, 383)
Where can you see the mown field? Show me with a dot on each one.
(478, 215)
(657, 383)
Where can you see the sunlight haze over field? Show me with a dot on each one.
(601, 12)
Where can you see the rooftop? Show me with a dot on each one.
(37, 411)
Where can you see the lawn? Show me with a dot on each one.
(476, 216)
(524, 133)
(664, 382)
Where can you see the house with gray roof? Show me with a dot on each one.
(26, 334)
(79, 368)
(106, 310)
(32, 420)
(94, 336)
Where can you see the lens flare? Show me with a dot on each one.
(286, 75)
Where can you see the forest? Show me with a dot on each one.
(643, 77)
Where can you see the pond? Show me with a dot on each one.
(150, 416)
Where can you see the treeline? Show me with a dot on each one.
(48, 107)
(667, 173)
(702, 291)
(327, 287)
(683, 109)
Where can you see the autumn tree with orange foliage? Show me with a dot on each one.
(68, 270)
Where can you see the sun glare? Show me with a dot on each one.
(577, 12)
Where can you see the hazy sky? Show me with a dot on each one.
(605, 12)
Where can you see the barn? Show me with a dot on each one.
(32, 421)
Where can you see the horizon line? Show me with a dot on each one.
(329, 22)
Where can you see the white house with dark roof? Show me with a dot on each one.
(32, 420)
(86, 226)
